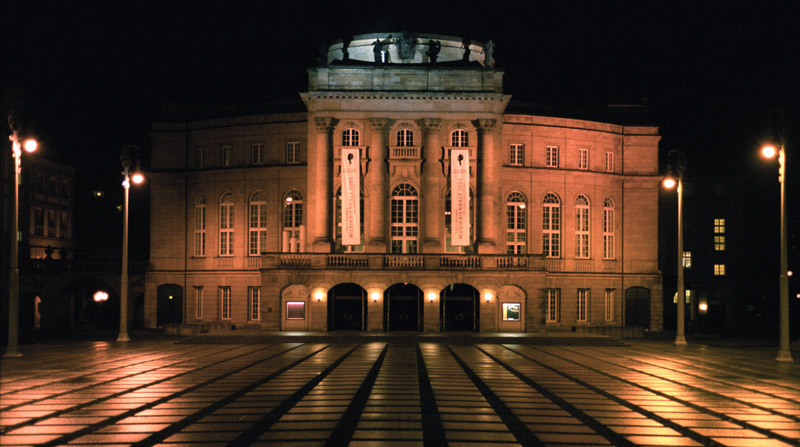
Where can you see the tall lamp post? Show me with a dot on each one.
(784, 351)
(670, 181)
(12, 350)
(137, 177)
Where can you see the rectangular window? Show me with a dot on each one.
(254, 303)
(551, 159)
(258, 228)
(200, 230)
(38, 222)
(609, 305)
(198, 302)
(293, 152)
(51, 223)
(582, 231)
(295, 310)
(64, 226)
(226, 229)
(226, 155)
(553, 298)
(719, 234)
(225, 302)
(511, 311)
(583, 158)
(583, 299)
(687, 259)
(609, 162)
(719, 269)
(199, 158)
(517, 154)
(258, 153)
(608, 232)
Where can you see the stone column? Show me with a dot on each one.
(376, 185)
(432, 203)
(319, 187)
(488, 187)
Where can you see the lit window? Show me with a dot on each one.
(254, 303)
(551, 157)
(226, 225)
(258, 153)
(719, 234)
(405, 219)
(517, 154)
(198, 302)
(448, 226)
(199, 158)
(609, 162)
(200, 226)
(583, 299)
(292, 220)
(295, 310)
(347, 248)
(405, 138)
(551, 226)
(609, 305)
(293, 152)
(351, 137)
(226, 155)
(582, 227)
(552, 311)
(687, 259)
(516, 210)
(257, 242)
(608, 228)
(225, 302)
(719, 269)
(583, 158)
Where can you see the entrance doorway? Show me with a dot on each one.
(637, 307)
(347, 308)
(459, 309)
(170, 304)
(403, 308)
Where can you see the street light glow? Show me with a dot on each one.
(30, 145)
(669, 182)
(137, 178)
(769, 151)
(100, 296)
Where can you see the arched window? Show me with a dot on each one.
(347, 248)
(257, 241)
(405, 219)
(200, 226)
(405, 138)
(582, 227)
(516, 210)
(351, 137)
(551, 226)
(292, 221)
(226, 225)
(448, 225)
(459, 138)
(608, 228)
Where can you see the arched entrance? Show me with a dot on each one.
(403, 308)
(637, 307)
(347, 308)
(170, 304)
(459, 309)
(76, 309)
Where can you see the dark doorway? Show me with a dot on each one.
(459, 309)
(403, 308)
(347, 308)
(637, 307)
(170, 304)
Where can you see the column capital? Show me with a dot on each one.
(431, 124)
(378, 123)
(323, 124)
(487, 126)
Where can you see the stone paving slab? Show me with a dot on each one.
(398, 391)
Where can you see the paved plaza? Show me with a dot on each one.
(404, 391)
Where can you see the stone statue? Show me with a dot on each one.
(465, 43)
(488, 49)
(405, 46)
(377, 50)
(434, 47)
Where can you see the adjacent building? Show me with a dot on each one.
(407, 196)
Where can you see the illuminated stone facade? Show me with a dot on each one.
(245, 225)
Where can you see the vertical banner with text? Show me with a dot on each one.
(459, 197)
(351, 193)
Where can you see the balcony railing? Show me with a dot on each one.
(379, 261)
(404, 152)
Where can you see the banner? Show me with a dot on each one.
(459, 197)
(351, 195)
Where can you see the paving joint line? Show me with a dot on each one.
(433, 434)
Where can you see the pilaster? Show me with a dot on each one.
(376, 201)
(488, 187)
(433, 206)
(319, 186)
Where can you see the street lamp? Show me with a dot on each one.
(670, 181)
(12, 350)
(784, 351)
(137, 177)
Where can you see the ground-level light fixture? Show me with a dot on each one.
(431, 296)
(318, 295)
(100, 296)
(375, 297)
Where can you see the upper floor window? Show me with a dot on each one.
(608, 228)
(609, 162)
(719, 269)
(293, 152)
(516, 239)
(459, 138)
(405, 137)
(258, 154)
(405, 219)
(64, 226)
(351, 137)
(582, 227)
(292, 220)
(51, 223)
(583, 158)
(38, 222)
(687, 260)
(257, 241)
(517, 154)
(347, 248)
(551, 226)
(226, 225)
(551, 157)
(719, 234)
(226, 155)
(199, 158)
(200, 226)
